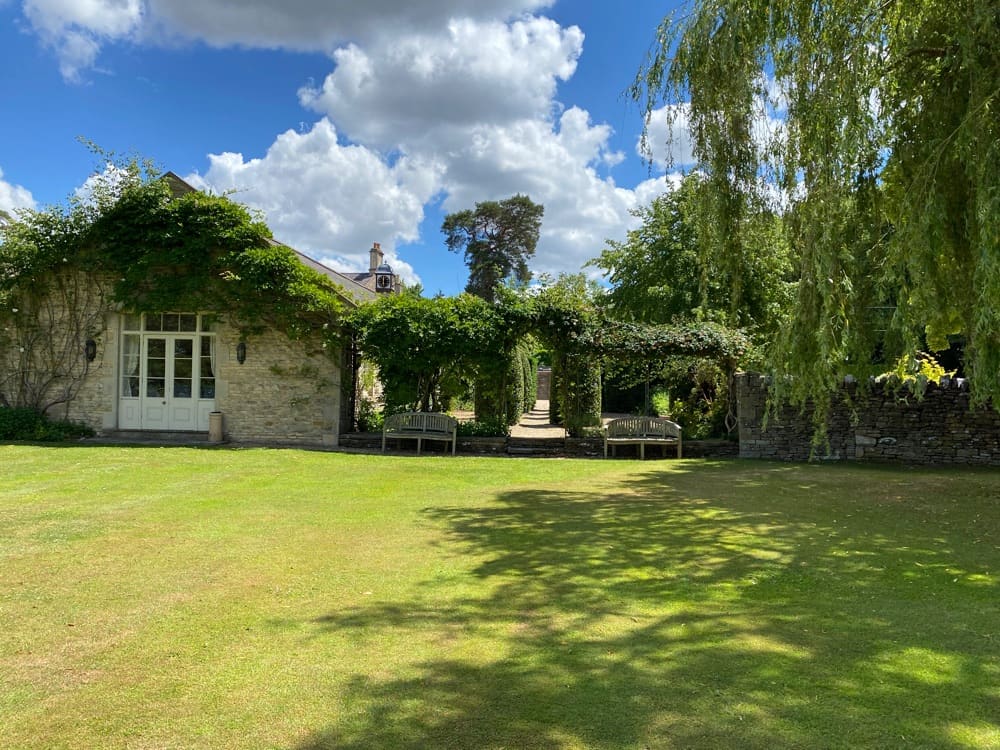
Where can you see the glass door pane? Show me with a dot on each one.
(156, 367)
(207, 370)
(131, 346)
(183, 368)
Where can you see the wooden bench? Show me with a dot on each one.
(642, 431)
(420, 426)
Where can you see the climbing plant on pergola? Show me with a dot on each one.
(583, 340)
(418, 343)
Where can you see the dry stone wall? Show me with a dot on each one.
(941, 428)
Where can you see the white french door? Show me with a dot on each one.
(168, 377)
(167, 396)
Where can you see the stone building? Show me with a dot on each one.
(191, 371)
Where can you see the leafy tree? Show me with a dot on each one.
(498, 238)
(884, 147)
(658, 274)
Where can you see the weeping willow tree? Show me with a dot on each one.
(872, 125)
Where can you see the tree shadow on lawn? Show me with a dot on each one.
(711, 606)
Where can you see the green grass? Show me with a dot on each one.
(176, 598)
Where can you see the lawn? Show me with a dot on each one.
(178, 598)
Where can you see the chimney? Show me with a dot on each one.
(374, 257)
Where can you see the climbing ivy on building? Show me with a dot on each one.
(134, 242)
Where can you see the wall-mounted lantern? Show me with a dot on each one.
(90, 350)
(241, 352)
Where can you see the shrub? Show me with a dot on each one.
(659, 401)
(491, 427)
(370, 416)
(29, 424)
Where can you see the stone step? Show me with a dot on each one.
(152, 437)
(536, 446)
(536, 452)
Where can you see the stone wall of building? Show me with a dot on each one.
(941, 428)
(44, 343)
(286, 391)
(95, 401)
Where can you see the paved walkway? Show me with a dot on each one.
(535, 424)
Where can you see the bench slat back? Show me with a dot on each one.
(439, 423)
(652, 427)
(417, 421)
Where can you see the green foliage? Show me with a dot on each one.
(503, 393)
(659, 401)
(489, 427)
(422, 345)
(580, 392)
(915, 373)
(143, 243)
(419, 343)
(198, 251)
(660, 275)
(555, 403)
(24, 423)
(643, 346)
(529, 372)
(567, 319)
(700, 396)
(498, 238)
(888, 161)
(370, 417)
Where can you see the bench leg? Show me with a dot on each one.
(642, 451)
(419, 442)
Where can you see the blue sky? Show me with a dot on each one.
(345, 123)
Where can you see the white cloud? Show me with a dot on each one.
(13, 197)
(668, 142)
(555, 165)
(327, 199)
(357, 264)
(668, 137)
(477, 100)
(408, 89)
(75, 29)
(320, 24)
(332, 200)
